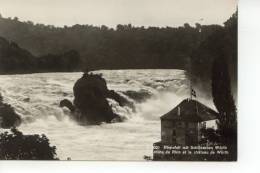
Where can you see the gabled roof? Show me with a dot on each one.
(190, 110)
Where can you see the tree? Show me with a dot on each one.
(16, 19)
(16, 146)
(221, 41)
(186, 25)
(224, 102)
(210, 134)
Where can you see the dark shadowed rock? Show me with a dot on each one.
(68, 104)
(90, 93)
(122, 101)
(26, 99)
(8, 117)
(90, 105)
(138, 96)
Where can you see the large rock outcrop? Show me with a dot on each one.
(90, 105)
(8, 117)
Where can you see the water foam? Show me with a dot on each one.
(36, 97)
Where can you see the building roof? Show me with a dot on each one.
(190, 110)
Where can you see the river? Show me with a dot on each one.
(36, 98)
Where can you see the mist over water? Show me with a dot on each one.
(36, 98)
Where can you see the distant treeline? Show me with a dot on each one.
(124, 47)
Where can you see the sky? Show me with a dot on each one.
(112, 12)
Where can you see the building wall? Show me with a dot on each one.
(173, 132)
(192, 133)
(167, 128)
(179, 132)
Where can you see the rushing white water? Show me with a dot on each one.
(36, 98)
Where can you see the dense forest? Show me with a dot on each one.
(126, 46)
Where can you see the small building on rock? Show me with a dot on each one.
(182, 125)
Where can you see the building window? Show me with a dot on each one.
(173, 133)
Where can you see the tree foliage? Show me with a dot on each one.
(210, 135)
(224, 102)
(223, 99)
(126, 46)
(224, 63)
(221, 43)
(16, 146)
(14, 59)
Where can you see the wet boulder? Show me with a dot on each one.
(139, 96)
(90, 93)
(68, 104)
(8, 117)
(122, 101)
(90, 104)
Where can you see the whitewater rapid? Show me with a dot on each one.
(36, 98)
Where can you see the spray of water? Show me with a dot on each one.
(36, 98)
